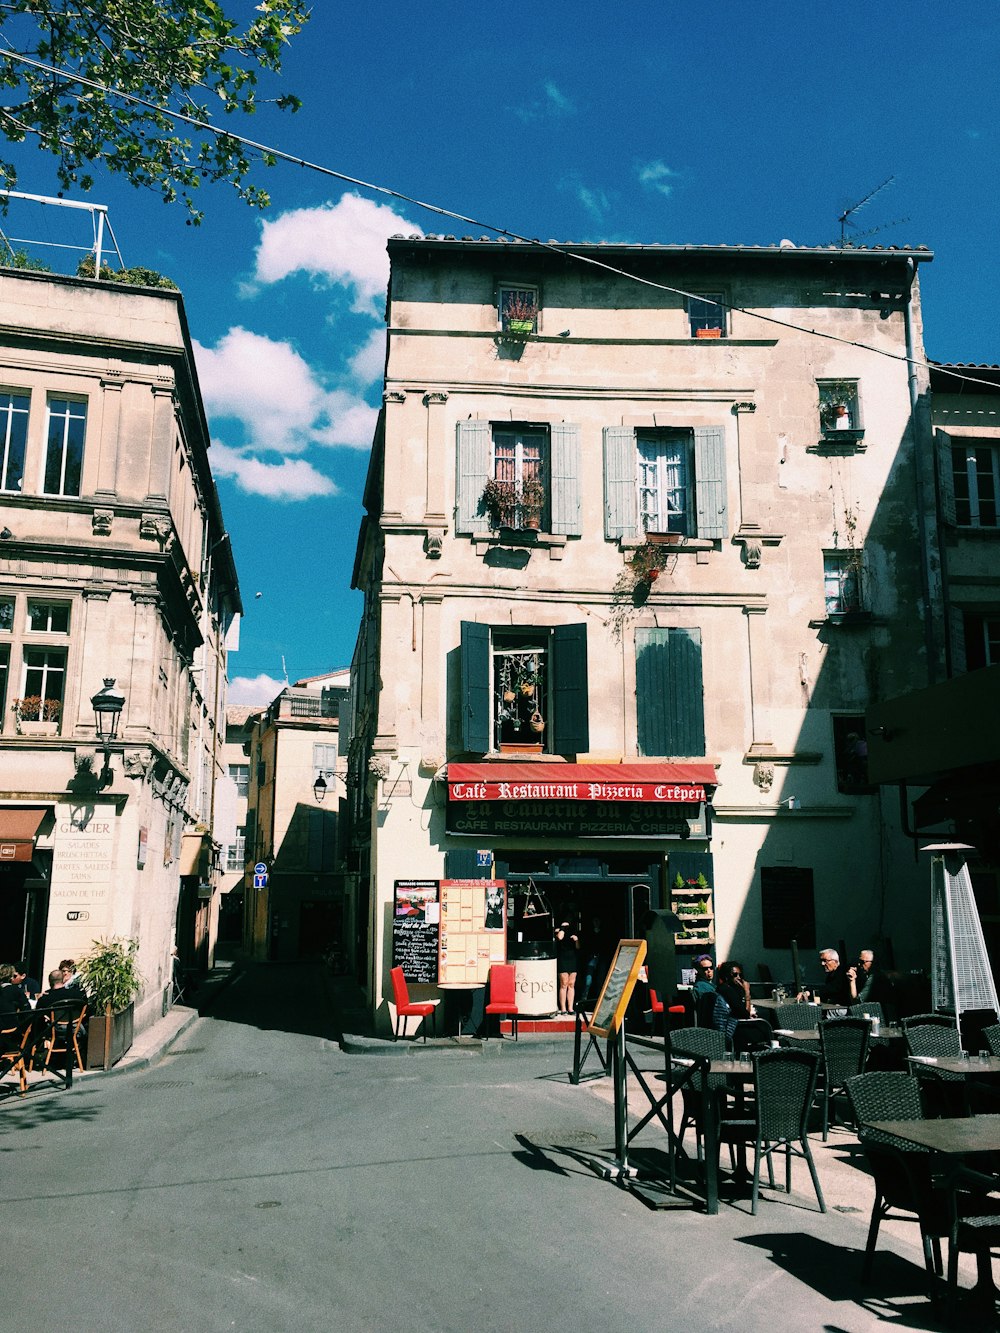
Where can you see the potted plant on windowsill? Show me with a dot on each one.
(34, 716)
(519, 315)
(531, 502)
(111, 980)
(499, 502)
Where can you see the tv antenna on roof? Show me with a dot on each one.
(845, 218)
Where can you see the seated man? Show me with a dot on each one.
(60, 995)
(835, 988)
(865, 978)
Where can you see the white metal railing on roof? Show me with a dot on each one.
(99, 221)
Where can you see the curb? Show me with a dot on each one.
(354, 1044)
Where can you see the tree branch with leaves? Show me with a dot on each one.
(106, 81)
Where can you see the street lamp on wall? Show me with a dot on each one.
(107, 704)
(320, 787)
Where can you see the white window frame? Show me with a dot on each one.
(971, 475)
(846, 391)
(45, 668)
(48, 606)
(240, 774)
(8, 412)
(664, 481)
(71, 409)
(236, 853)
(840, 568)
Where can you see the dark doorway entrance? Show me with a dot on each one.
(24, 911)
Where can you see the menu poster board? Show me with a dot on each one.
(416, 919)
(473, 930)
(618, 987)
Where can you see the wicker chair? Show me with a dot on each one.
(705, 1042)
(901, 1171)
(943, 1092)
(844, 1050)
(866, 1009)
(798, 1017)
(785, 1082)
(931, 1034)
(991, 1036)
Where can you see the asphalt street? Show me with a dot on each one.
(257, 1177)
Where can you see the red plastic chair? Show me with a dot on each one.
(502, 995)
(405, 1008)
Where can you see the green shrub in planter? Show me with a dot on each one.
(109, 974)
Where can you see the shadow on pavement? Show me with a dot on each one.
(897, 1291)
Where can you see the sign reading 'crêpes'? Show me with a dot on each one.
(661, 792)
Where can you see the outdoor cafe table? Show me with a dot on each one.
(953, 1137)
(960, 1064)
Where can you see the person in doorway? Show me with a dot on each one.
(567, 964)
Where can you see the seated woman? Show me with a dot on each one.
(734, 989)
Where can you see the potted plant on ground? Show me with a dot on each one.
(111, 980)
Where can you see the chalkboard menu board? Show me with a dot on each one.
(416, 924)
(618, 987)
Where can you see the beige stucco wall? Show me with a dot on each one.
(609, 353)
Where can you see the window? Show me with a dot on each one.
(518, 309)
(982, 640)
(324, 762)
(851, 752)
(6, 614)
(669, 695)
(237, 853)
(524, 689)
(788, 907)
(64, 447)
(240, 774)
(707, 313)
(665, 473)
(4, 672)
(48, 617)
(43, 682)
(976, 481)
(842, 584)
(13, 436)
(520, 459)
(839, 406)
(665, 481)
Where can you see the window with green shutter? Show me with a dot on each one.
(537, 467)
(524, 690)
(665, 481)
(670, 706)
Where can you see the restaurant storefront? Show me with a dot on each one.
(607, 842)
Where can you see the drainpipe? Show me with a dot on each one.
(918, 432)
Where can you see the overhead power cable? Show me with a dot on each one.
(438, 209)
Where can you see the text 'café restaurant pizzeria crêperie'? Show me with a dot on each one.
(606, 890)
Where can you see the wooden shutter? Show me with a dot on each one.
(956, 641)
(570, 720)
(473, 455)
(946, 476)
(621, 499)
(475, 687)
(670, 709)
(710, 480)
(564, 470)
(460, 863)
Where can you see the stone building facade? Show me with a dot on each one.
(114, 564)
(685, 495)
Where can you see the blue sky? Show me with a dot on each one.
(669, 122)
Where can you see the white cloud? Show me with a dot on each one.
(342, 243)
(274, 393)
(368, 362)
(596, 202)
(657, 175)
(557, 101)
(291, 479)
(254, 691)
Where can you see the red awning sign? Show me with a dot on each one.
(661, 784)
(18, 828)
